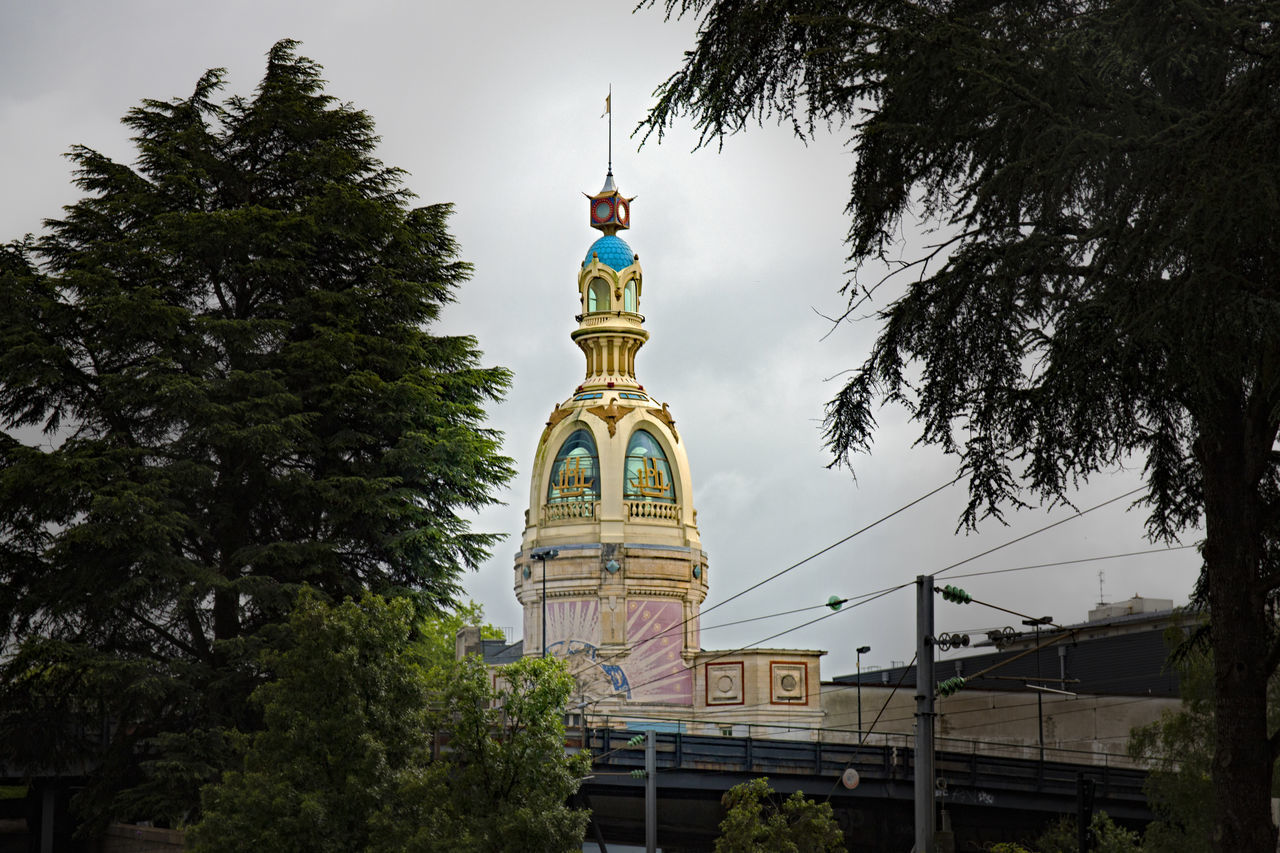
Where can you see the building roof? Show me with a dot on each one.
(500, 652)
(613, 252)
(760, 651)
(1128, 664)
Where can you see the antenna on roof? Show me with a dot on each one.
(1102, 598)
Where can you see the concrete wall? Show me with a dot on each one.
(1002, 721)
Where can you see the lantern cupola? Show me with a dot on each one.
(610, 210)
(610, 327)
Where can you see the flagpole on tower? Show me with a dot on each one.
(608, 110)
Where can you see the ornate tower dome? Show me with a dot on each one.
(611, 495)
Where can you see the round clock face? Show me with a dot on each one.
(602, 211)
(624, 210)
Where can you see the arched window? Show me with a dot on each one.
(597, 295)
(575, 475)
(629, 297)
(648, 474)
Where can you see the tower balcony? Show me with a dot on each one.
(602, 318)
(568, 511)
(577, 511)
(652, 511)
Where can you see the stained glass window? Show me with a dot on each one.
(575, 475)
(648, 474)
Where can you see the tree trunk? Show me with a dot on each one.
(1232, 459)
(226, 614)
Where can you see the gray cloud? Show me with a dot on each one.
(496, 107)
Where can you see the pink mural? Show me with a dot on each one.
(655, 670)
(652, 670)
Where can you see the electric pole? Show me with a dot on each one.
(924, 805)
(650, 792)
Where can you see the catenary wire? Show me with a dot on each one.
(871, 597)
(680, 625)
(1072, 562)
(868, 597)
(704, 628)
(1038, 531)
(876, 593)
(862, 735)
(799, 563)
(865, 600)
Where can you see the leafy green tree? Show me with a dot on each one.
(364, 748)
(1178, 749)
(1108, 837)
(504, 782)
(436, 634)
(346, 711)
(218, 382)
(1104, 184)
(756, 822)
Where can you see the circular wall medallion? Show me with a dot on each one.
(788, 683)
(725, 684)
(850, 778)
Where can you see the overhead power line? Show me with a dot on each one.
(1038, 531)
(833, 545)
(680, 625)
(1073, 562)
(867, 599)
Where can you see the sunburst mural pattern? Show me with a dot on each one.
(651, 671)
(572, 625)
(654, 667)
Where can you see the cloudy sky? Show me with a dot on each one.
(496, 107)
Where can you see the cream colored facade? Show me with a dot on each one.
(778, 688)
(622, 595)
(611, 492)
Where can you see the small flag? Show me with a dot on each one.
(607, 107)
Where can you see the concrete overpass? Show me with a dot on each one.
(987, 796)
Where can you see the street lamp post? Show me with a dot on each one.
(544, 554)
(1037, 623)
(862, 650)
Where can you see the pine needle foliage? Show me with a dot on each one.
(218, 382)
(1103, 182)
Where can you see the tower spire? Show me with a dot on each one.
(608, 110)
(610, 210)
(611, 492)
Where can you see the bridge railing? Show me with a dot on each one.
(890, 758)
(1010, 748)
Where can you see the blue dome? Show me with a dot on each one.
(613, 252)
